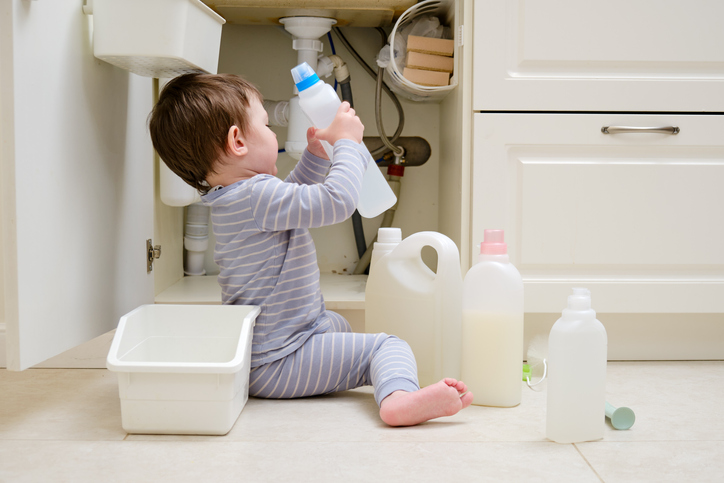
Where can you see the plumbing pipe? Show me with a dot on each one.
(296, 129)
(278, 112)
(196, 239)
(306, 32)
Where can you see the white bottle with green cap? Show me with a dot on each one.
(577, 353)
(320, 103)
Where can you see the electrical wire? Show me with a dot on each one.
(334, 52)
(357, 226)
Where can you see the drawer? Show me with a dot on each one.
(568, 55)
(638, 218)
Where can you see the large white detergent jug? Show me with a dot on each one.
(424, 308)
(320, 103)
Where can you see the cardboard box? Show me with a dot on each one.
(417, 60)
(427, 45)
(426, 77)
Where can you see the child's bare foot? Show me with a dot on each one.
(444, 398)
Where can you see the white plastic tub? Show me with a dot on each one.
(183, 369)
(157, 38)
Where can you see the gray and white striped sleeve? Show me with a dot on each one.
(310, 169)
(279, 205)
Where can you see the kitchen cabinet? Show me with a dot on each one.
(621, 55)
(77, 183)
(636, 217)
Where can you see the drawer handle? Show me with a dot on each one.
(634, 129)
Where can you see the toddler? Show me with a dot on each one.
(212, 131)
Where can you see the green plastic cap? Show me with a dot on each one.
(526, 372)
(621, 418)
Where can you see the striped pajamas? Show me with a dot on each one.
(337, 361)
(267, 257)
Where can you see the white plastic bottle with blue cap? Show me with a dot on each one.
(320, 103)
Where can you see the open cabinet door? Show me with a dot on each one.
(76, 183)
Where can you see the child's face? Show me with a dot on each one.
(262, 141)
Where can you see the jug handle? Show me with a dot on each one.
(447, 252)
(448, 267)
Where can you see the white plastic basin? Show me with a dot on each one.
(183, 369)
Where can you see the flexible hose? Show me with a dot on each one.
(387, 220)
(346, 88)
(374, 75)
(378, 117)
(359, 234)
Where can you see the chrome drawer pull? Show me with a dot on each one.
(633, 129)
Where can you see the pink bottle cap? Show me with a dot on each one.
(493, 243)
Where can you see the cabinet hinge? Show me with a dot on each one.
(152, 253)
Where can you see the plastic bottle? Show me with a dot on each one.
(492, 350)
(405, 298)
(320, 103)
(387, 240)
(577, 356)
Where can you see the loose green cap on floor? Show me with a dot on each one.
(621, 418)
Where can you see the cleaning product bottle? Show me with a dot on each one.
(320, 103)
(387, 240)
(405, 298)
(492, 350)
(577, 347)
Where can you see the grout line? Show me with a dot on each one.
(588, 463)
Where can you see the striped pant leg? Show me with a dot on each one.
(337, 323)
(338, 361)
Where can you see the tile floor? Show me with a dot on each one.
(64, 425)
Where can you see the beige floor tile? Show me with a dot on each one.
(354, 416)
(656, 462)
(65, 425)
(178, 462)
(673, 401)
(69, 404)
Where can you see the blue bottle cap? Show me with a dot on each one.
(304, 76)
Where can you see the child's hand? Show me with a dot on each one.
(346, 125)
(314, 146)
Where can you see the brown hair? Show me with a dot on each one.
(190, 122)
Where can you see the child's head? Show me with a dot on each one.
(190, 123)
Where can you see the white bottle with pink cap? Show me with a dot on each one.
(492, 348)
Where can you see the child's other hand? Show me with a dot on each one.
(346, 125)
(314, 146)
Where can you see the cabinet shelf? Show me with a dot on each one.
(341, 292)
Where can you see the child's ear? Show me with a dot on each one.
(235, 142)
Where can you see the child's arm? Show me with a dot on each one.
(313, 165)
(313, 169)
(282, 206)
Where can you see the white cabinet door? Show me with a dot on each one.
(77, 183)
(618, 55)
(638, 218)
